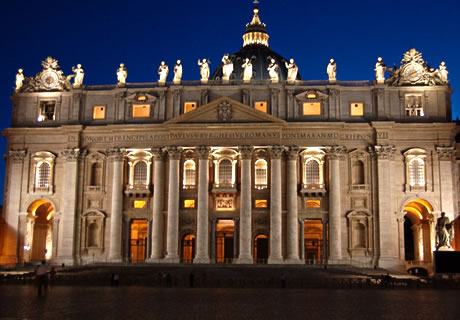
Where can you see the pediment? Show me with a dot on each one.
(225, 110)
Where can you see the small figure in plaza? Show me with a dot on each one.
(42, 278)
(79, 75)
(444, 231)
(332, 70)
(177, 72)
(247, 70)
(273, 71)
(292, 70)
(163, 72)
(19, 80)
(380, 69)
(122, 74)
(227, 68)
(442, 71)
(204, 70)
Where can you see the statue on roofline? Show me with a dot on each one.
(332, 70)
(177, 72)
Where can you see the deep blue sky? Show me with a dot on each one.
(100, 34)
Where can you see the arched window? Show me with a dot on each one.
(93, 235)
(260, 174)
(312, 174)
(358, 172)
(43, 175)
(416, 172)
(225, 172)
(96, 174)
(140, 174)
(189, 174)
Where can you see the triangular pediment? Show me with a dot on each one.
(225, 110)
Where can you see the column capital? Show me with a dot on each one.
(276, 152)
(115, 154)
(246, 151)
(17, 156)
(203, 152)
(336, 152)
(158, 153)
(382, 152)
(445, 153)
(292, 152)
(173, 152)
(70, 155)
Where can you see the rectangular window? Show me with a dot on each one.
(356, 109)
(414, 106)
(47, 111)
(141, 110)
(312, 108)
(189, 203)
(261, 106)
(261, 204)
(139, 204)
(189, 106)
(98, 112)
(313, 203)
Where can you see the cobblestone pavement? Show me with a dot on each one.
(79, 302)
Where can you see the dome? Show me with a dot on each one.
(256, 48)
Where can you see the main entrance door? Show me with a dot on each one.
(260, 249)
(314, 241)
(138, 241)
(224, 241)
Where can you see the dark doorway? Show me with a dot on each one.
(188, 248)
(261, 249)
(408, 240)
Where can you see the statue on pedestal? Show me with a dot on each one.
(19, 79)
(380, 69)
(163, 72)
(204, 70)
(444, 231)
(332, 70)
(79, 75)
(292, 70)
(273, 71)
(227, 68)
(247, 70)
(442, 71)
(177, 72)
(122, 74)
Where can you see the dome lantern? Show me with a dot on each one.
(255, 31)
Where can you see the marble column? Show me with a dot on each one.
(276, 221)
(446, 182)
(127, 249)
(202, 237)
(302, 240)
(66, 244)
(245, 234)
(157, 236)
(213, 239)
(292, 227)
(10, 245)
(324, 253)
(116, 158)
(418, 250)
(148, 242)
(335, 154)
(172, 237)
(236, 235)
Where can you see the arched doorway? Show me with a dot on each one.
(138, 241)
(418, 231)
(38, 242)
(260, 249)
(188, 248)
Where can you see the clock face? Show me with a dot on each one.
(49, 80)
(413, 73)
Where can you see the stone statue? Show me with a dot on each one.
(442, 71)
(177, 72)
(122, 74)
(79, 75)
(227, 68)
(380, 69)
(247, 70)
(273, 71)
(204, 70)
(19, 80)
(292, 70)
(444, 231)
(332, 70)
(163, 72)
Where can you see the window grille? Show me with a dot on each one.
(225, 172)
(140, 174)
(312, 177)
(416, 172)
(43, 175)
(261, 173)
(189, 173)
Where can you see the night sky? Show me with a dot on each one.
(100, 34)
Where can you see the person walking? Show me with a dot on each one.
(42, 278)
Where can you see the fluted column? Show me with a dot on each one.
(66, 237)
(446, 182)
(302, 240)
(127, 249)
(202, 237)
(245, 232)
(335, 154)
(324, 221)
(116, 157)
(157, 247)
(172, 239)
(10, 245)
(292, 224)
(275, 255)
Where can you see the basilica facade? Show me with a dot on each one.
(250, 164)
